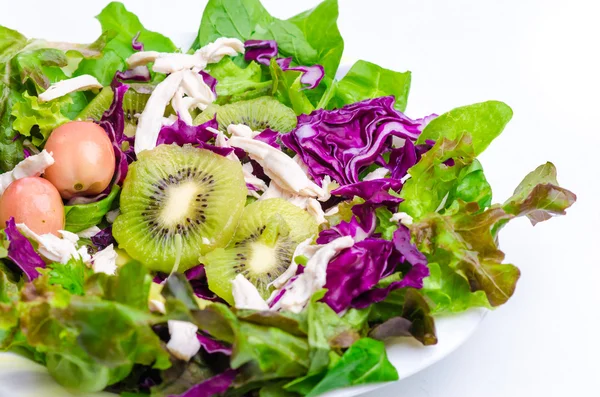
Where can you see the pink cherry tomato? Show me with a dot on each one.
(84, 159)
(35, 202)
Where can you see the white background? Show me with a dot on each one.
(543, 59)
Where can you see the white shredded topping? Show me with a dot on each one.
(54, 248)
(403, 218)
(313, 207)
(299, 291)
(183, 343)
(150, 121)
(157, 306)
(61, 88)
(31, 166)
(89, 232)
(193, 86)
(174, 62)
(105, 261)
(278, 166)
(379, 173)
(246, 296)
(306, 249)
(332, 211)
(112, 215)
(241, 130)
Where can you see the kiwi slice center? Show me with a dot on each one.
(263, 258)
(178, 202)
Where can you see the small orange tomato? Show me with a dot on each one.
(84, 159)
(35, 202)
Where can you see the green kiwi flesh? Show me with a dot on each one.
(178, 203)
(134, 102)
(262, 247)
(258, 114)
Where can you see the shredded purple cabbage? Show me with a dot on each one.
(212, 346)
(197, 278)
(404, 252)
(135, 44)
(311, 75)
(26, 153)
(103, 238)
(262, 51)
(341, 142)
(210, 81)
(374, 191)
(21, 252)
(269, 137)
(140, 73)
(181, 133)
(211, 387)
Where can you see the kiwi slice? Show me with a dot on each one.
(262, 247)
(134, 102)
(258, 114)
(177, 203)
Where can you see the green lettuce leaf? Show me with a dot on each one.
(82, 216)
(471, 186)
(415, 320)
(483, 121)
(287, 88)
(464, 239)
(11, 142)
(122, 26)
(36, 120)
(93, 340)
(364, 362)
(71, 275)
(365, 80)
(431, 180)
(236, 83)
(11, 42)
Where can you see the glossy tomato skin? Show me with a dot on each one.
(84, 159)
(35, 202)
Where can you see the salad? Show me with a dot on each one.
(232, 220)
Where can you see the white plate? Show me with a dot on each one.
(20, 377)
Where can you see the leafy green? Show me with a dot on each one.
(415, 320)
(231, 18)
(326, 331)
(463, 239)
(385, 226)
(71, 275)
(94, 340)
(37, 120)
(11, 143)
(365, 80)
(483, 121)
(82, 216)
(311, 37)
(237, 84)
(287, 88)
(122, 25)
(319, 27)
(431, 179)
(471, 187)
(364, 362)
(11, 42)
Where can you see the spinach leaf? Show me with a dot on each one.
(319, 27)
(82, 216)
(364, 362)
(366, 80)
